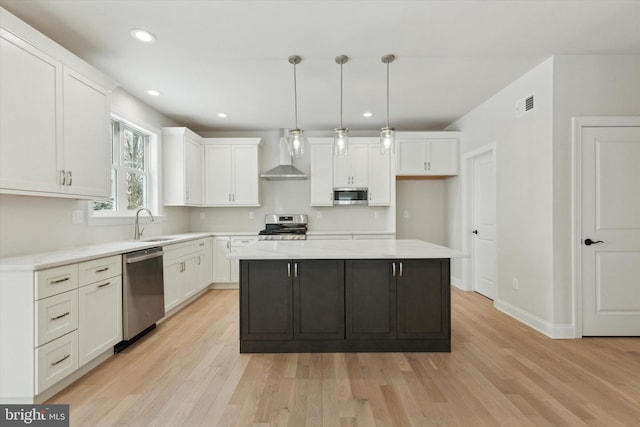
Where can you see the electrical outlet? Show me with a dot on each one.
(77, 217)
(202, 216)
(250, 215)
(376, 215)
(319, 215)
(406, 214)
(516, 284)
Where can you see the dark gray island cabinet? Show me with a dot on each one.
(336, 305)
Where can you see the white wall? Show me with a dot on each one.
(585, 85)
(524, 192)
(421, 210)
(37, 224)
(534, 175)
(288, 197)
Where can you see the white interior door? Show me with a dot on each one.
(484, 224)
(611, 219)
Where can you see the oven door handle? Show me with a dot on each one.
(144, 257)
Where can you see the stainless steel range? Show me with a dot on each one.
(284, 227)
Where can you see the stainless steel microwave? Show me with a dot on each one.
(350, 196)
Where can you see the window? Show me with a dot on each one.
(130, 171)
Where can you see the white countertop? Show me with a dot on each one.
(51, 259)
(344, 249)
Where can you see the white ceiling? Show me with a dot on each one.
(231, 56)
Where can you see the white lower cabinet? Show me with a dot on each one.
(55, 360)
(187, 268)
(225, 270)
(54, 321)
(100, 306)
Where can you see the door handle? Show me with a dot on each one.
(475, 231)
(590, 242)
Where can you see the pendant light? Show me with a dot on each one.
(387, 134)
(296, 139)
(341, 136)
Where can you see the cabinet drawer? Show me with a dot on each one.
(99, 269)
(56, 360)
(56, 316)
(240, 241)
(56, 280)
(178, 250)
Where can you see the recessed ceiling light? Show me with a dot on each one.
(222, 115)
(367, 114)
(153, 92)
(143, 35)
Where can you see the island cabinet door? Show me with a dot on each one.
(370, 299)
(423, 298)
(266, 300)
(318, 300)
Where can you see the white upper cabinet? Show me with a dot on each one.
(427, 153)
(54, 118)
(321, 175)
(379, 177)
(364, 166)
(352, 170)
(182, 166)
(87, 149)
(231, 172)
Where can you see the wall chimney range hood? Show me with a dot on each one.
(285, 170)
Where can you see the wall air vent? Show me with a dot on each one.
(524, 105)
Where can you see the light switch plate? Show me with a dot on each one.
(77, 217)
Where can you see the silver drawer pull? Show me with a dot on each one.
(61, 316)
(102, 270)
(61, 360)
(201, 244)
(104, 284)
(55, 282)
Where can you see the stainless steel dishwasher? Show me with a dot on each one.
(142, 294)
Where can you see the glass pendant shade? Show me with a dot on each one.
(296, 142)
(341, 142)
(387, 140)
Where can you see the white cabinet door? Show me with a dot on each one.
(245, 175)
(87, 147)
(191, 267)
(352, 170)
(172, 272)
(443, 156)
(359, 164)
(206, 271)
(321, 179)
(29, 84)
(193, 172)
(410, 157)
(100, 323)
(221, 265)
(379, 177)
(218, 167)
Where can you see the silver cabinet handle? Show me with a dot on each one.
(428, 165)
(288, 269)
(393, 269)
(295, 269)
(102, 270)
(69, 178)
(63, 177)
(104, 284)
(228, 244)
(201, 244)
(199, 260)
(61, 316)
(61, 360)
(400, 268)
(55, 282)
(425, 165)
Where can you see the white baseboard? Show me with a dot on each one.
(555, 331)
(459, 283)
(231, 285)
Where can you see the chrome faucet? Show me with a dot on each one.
(136, 230)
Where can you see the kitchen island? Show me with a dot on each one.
(334, 296)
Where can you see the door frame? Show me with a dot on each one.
(578, 125)
(467, 211)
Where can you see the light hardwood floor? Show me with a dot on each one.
(189, 373)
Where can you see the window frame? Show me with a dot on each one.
(152, 167)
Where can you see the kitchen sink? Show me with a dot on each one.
(158, 239)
